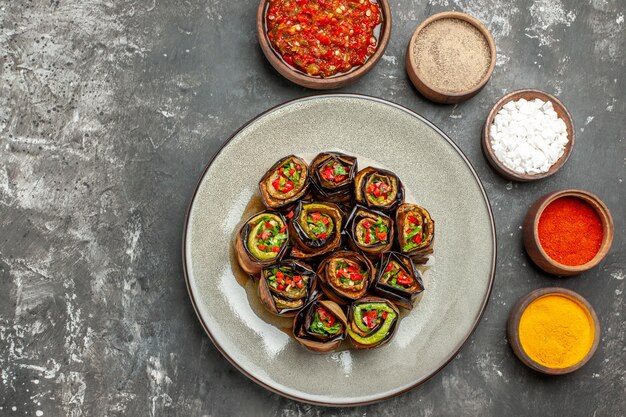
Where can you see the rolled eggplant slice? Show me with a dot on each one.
(332, 175)
(398, 280)
(285, 182)
(369, 231)
(261, 241)
(345, 276)
(286, 287)
(320, 326)
(315, 229)
(378, 189)
(415, 230)
(373, 321)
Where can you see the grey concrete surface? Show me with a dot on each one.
(109, 111)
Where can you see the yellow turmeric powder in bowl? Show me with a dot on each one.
(556, 331)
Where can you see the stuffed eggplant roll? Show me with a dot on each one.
(261, 241)
(285, 287)
(378, 189)
(315, 229)
(415, 230)
(372, 322)
(345, 276)
(320, 326)
(285, 182)
(398, 280)
(332, 175)
(369, 231)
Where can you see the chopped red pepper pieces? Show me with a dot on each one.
(389, 267)
(384, 315)
(370, 319)
(299, 284)
(282, 229)
(275, 249)
(297, 278)
(324, 37)
(262, 247)
(281, 287)
(290, 214)
(328, 174)
(382, 236)
(356, 277)
(315, 216)
(322, 236)
(280, 275)
(417, 238)
(288, 187)
(367, 224)
(404, 279)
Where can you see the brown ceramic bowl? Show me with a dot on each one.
(429, 91)
(513, 329)
(528, 94)
(319, 83)
(531, 236)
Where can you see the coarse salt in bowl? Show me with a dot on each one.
(528, 135)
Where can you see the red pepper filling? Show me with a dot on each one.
(319, 224)
(282, 280)
(349, 275)
(378, 190)
(412, 233)
(334, 171)
(396, 276)
(287, 176)
(326, 318)
(271, 236)
(373, 233)
(323, 37)
(373, 318)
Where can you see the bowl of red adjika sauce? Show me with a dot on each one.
(568, 232)
(323, 44)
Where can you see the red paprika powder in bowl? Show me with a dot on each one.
(568, 232)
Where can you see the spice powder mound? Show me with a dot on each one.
(452, 55)
(556, 331)
(570, 231)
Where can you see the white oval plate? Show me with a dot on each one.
(436, 175)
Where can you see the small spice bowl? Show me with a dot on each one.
(319, 83)
(531, 233)
(427, 86)
(528, 94)
(575, 301)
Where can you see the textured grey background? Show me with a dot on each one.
(109, 111)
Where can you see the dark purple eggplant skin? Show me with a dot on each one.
(360, 185)
(297, 266)
(373, 299)
(303, 246)
(418, 254)
(274, 204)
(316, 342)
(332, 292)
(249, 262)
(350, 232)
(403, 298)
(340, 193)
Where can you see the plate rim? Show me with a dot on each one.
(410, 112)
